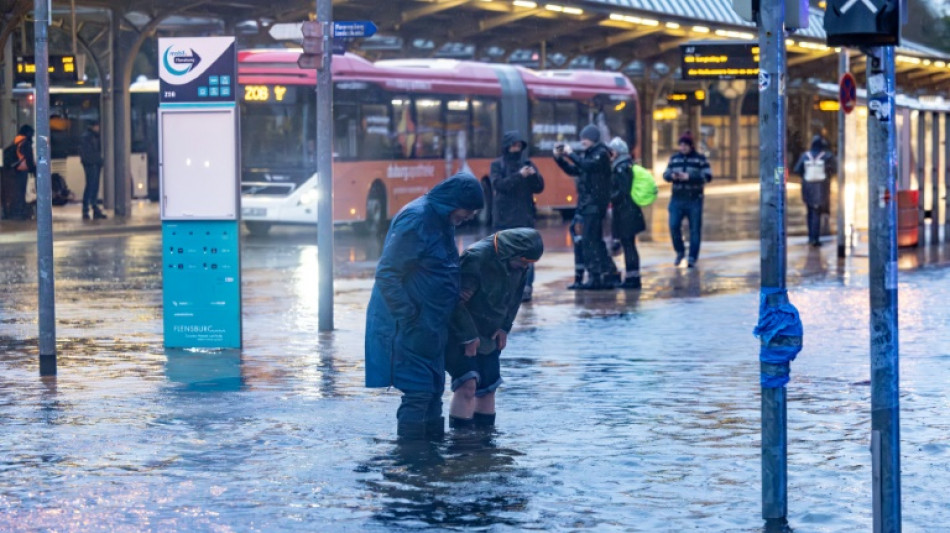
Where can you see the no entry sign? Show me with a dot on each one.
(847, 92)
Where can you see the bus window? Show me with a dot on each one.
(485, 134)
(429, 141)
(553, 122)
(615, 118)
(457, 122)
(276, 134)
(405, 138)
(376, 131)
(345, 131)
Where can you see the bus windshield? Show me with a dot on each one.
(277, 127)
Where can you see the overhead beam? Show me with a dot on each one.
(601, 43)
(431, 9)
(807, 58)
(494, 22)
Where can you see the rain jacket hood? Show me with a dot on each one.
(461, 191)
(510, 139)
(518, 242)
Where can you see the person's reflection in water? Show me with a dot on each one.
(465, 481)
(814, 263)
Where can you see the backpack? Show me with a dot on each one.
(10, 157)
(814, 167)
(643, 190)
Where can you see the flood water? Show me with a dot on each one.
(618, 413)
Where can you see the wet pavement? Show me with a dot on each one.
(621, 410)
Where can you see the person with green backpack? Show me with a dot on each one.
(627, 193)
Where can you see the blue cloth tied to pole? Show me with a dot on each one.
(780, 331)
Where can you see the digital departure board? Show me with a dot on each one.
(62, 69)
(720, 60)
(274, 94)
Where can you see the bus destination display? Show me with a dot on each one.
(62, 69)
(720, 60)
(273, 94)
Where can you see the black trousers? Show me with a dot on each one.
(90, 195)
(631, 257)
(19, 209)
(814, 223)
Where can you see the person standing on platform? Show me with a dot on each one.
(90, 155)
(592, 173)
(816, 166)
(628, 218)
(416, 291)
(689, 172)
(514, 182)
(23, 165)
(494, 273)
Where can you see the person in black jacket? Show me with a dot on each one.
(592, 173)
(628, 217)
(689, 172)
(90, 155)
(514, 182)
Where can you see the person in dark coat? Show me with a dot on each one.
(90, 155)
(592, 173)
(416, 290)
(816, 166)
(689, 172)
(628, 217)
(25, 165)
(494, 273)
(514, 182)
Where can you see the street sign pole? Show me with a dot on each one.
(44, 192)
(325, 170)
(772, 108)
(882, 257)
(844, 67)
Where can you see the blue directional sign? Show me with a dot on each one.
(354, 29)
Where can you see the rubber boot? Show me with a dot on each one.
(484, 420)
(457, 423)
(631, 281)
(578, 280)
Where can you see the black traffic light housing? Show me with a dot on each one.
(863, 22)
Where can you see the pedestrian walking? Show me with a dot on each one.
(628, 218)
(18, 157)
(415, 293)
(514, 182)
(90, 155)
(815, 167)
(689, 172)
(592, 172)
(493, 276)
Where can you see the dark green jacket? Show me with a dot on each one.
(491, 291)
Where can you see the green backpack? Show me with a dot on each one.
(643, 190)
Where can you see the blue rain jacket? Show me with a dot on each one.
(416, 290)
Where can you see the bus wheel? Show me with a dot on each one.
(257, 229)
(375, 222)
(485, 215)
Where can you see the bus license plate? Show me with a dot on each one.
(254, 212)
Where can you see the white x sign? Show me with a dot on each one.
(850, 3)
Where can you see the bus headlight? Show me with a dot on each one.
(309, 198)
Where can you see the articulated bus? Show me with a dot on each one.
(401, 126)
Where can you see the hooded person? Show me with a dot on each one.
(815, 167)
(514, 182)
(689, 172)
(24, 166)
(416, 290)
(591, 171)
(628, 218)
(493, 275)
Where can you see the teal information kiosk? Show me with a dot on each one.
(199, 173)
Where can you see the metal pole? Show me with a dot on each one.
(935, 178)
(921, 156)
(844, 66)
(882, 257)
(946, 176)
(772, 172)
(325, 170)
(44, 193)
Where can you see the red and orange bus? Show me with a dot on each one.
(401, 126)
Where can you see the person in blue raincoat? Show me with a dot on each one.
(416, 290)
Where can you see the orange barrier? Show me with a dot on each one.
(907, 211)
